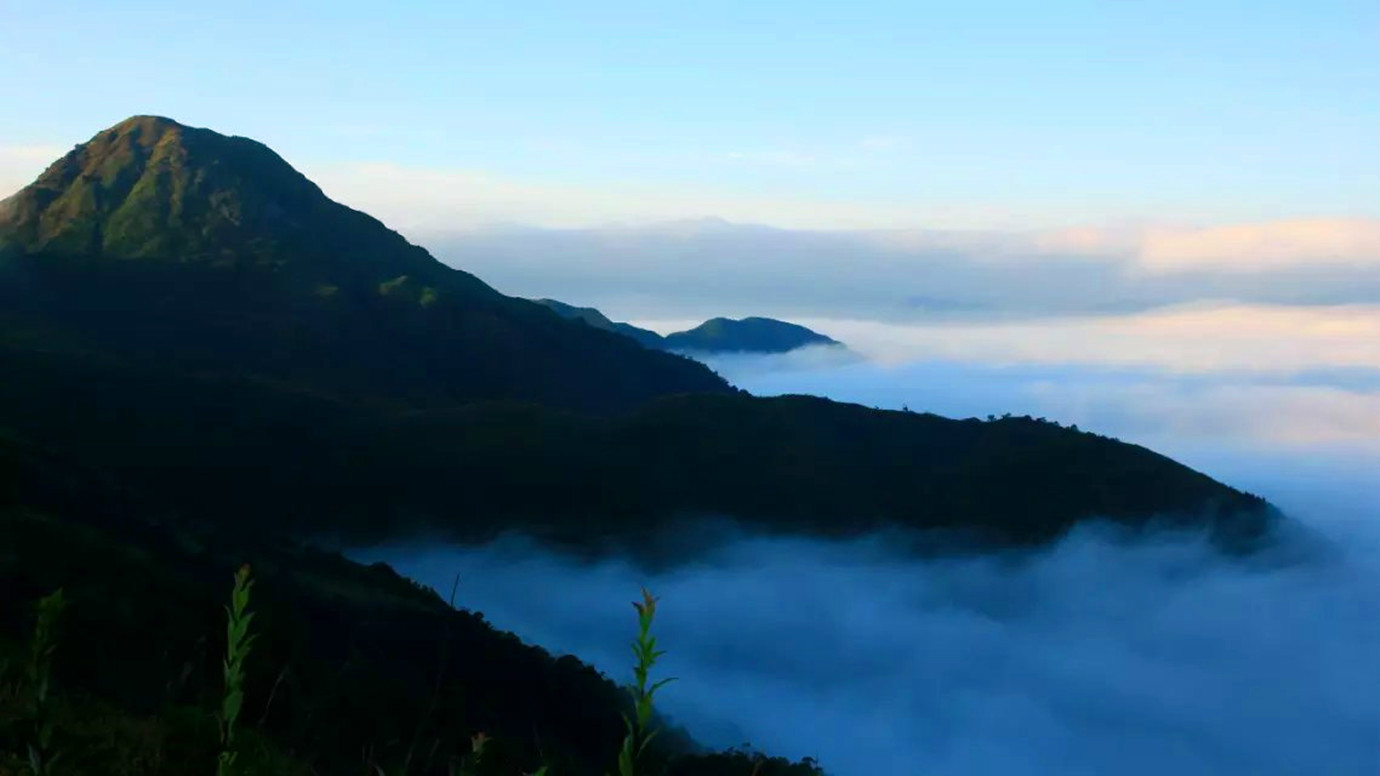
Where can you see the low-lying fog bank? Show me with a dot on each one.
(1098, 655)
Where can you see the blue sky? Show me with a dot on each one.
(969, 115)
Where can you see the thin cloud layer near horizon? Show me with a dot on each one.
(695, 269)
(998, 115)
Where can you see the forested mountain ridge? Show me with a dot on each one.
(193, 315)
(264, 456)
(592, 317)
(163, 241)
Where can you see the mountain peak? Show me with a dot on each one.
(146, 123)
(212, 251)
(148, 128)
(152, 188)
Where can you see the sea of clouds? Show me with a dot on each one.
(1250, 351)
(1099, 655)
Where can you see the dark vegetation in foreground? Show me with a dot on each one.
(352, 669)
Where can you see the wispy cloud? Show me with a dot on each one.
(1196, 338)
(1263, 246)
(697, 268)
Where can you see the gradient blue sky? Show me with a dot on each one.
(999, 113)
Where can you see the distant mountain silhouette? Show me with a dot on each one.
(748, 335)
(717, 335)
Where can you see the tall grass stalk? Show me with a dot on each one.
(38, 683)
(238, 641)
(640, 733)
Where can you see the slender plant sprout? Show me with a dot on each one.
(38, 677)
(639, 725)
(238, 642)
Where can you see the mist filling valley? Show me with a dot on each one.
(1102, 654)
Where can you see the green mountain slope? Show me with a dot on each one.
(163, 241)
(592, 317)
